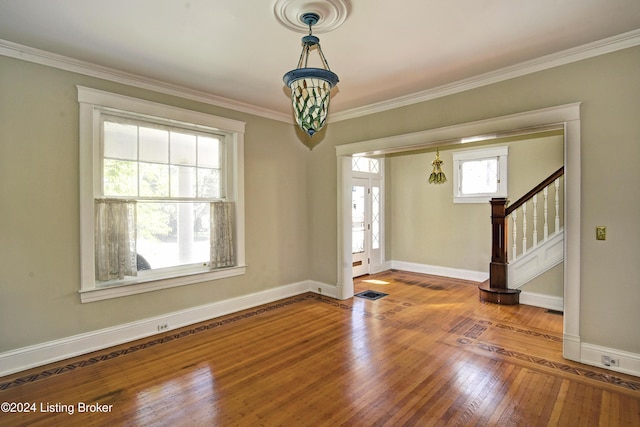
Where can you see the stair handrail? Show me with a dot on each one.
(538, 188)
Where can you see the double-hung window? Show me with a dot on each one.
(161, 196)
(479, 174)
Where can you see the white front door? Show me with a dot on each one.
(360, 226)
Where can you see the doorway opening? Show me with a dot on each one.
(367, 201)
(567, 117)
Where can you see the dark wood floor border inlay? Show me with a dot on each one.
(161, 340)
(470, 330)
(530, 332)
(399, 306)
(583, 372)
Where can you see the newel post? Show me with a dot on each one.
(498, 266)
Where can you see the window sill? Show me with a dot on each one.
(138, 287)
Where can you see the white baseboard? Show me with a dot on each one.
(52, 351)
(457, 273)
(571, 347)
(540, 300)
(625, 362)
(323, 289)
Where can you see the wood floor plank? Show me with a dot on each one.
(428, 353)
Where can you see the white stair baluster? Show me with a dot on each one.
(535, 220)
(557, 184)
(524, 228)
(545, 228)
(514, 217)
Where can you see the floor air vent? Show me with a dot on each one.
(372, 295)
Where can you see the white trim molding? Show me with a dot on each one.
(549, 302)
(499, 154)
(52, 351)
(566, 117)
(456, 273)
(621, 361)
(93, 104)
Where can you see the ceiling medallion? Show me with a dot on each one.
(331, 13)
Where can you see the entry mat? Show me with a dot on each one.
(372, 295)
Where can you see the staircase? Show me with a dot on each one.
(524, 230)
(537, 261)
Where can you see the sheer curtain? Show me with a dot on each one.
(222, 234)
(115, 238)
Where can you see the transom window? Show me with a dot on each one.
(365, 164)
(479, 174)
(165, 197)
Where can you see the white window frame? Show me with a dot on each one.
(93, 103)
(461, 156)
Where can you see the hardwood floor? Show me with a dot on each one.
(428, 353)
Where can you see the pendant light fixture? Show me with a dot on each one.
(310, 87)
(437, 176)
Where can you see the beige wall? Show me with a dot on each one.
(608, 87)
(291, 196)
(39, 211)
(428, 228)
(548, 283)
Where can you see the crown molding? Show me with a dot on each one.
(590, 50)
(42, 57)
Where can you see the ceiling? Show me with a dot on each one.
(380, 49)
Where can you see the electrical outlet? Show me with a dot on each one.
(163, 327)
(601, 232)
(319, 290)
(610, 361)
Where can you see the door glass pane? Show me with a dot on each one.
(357, 219)
(375, 217)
